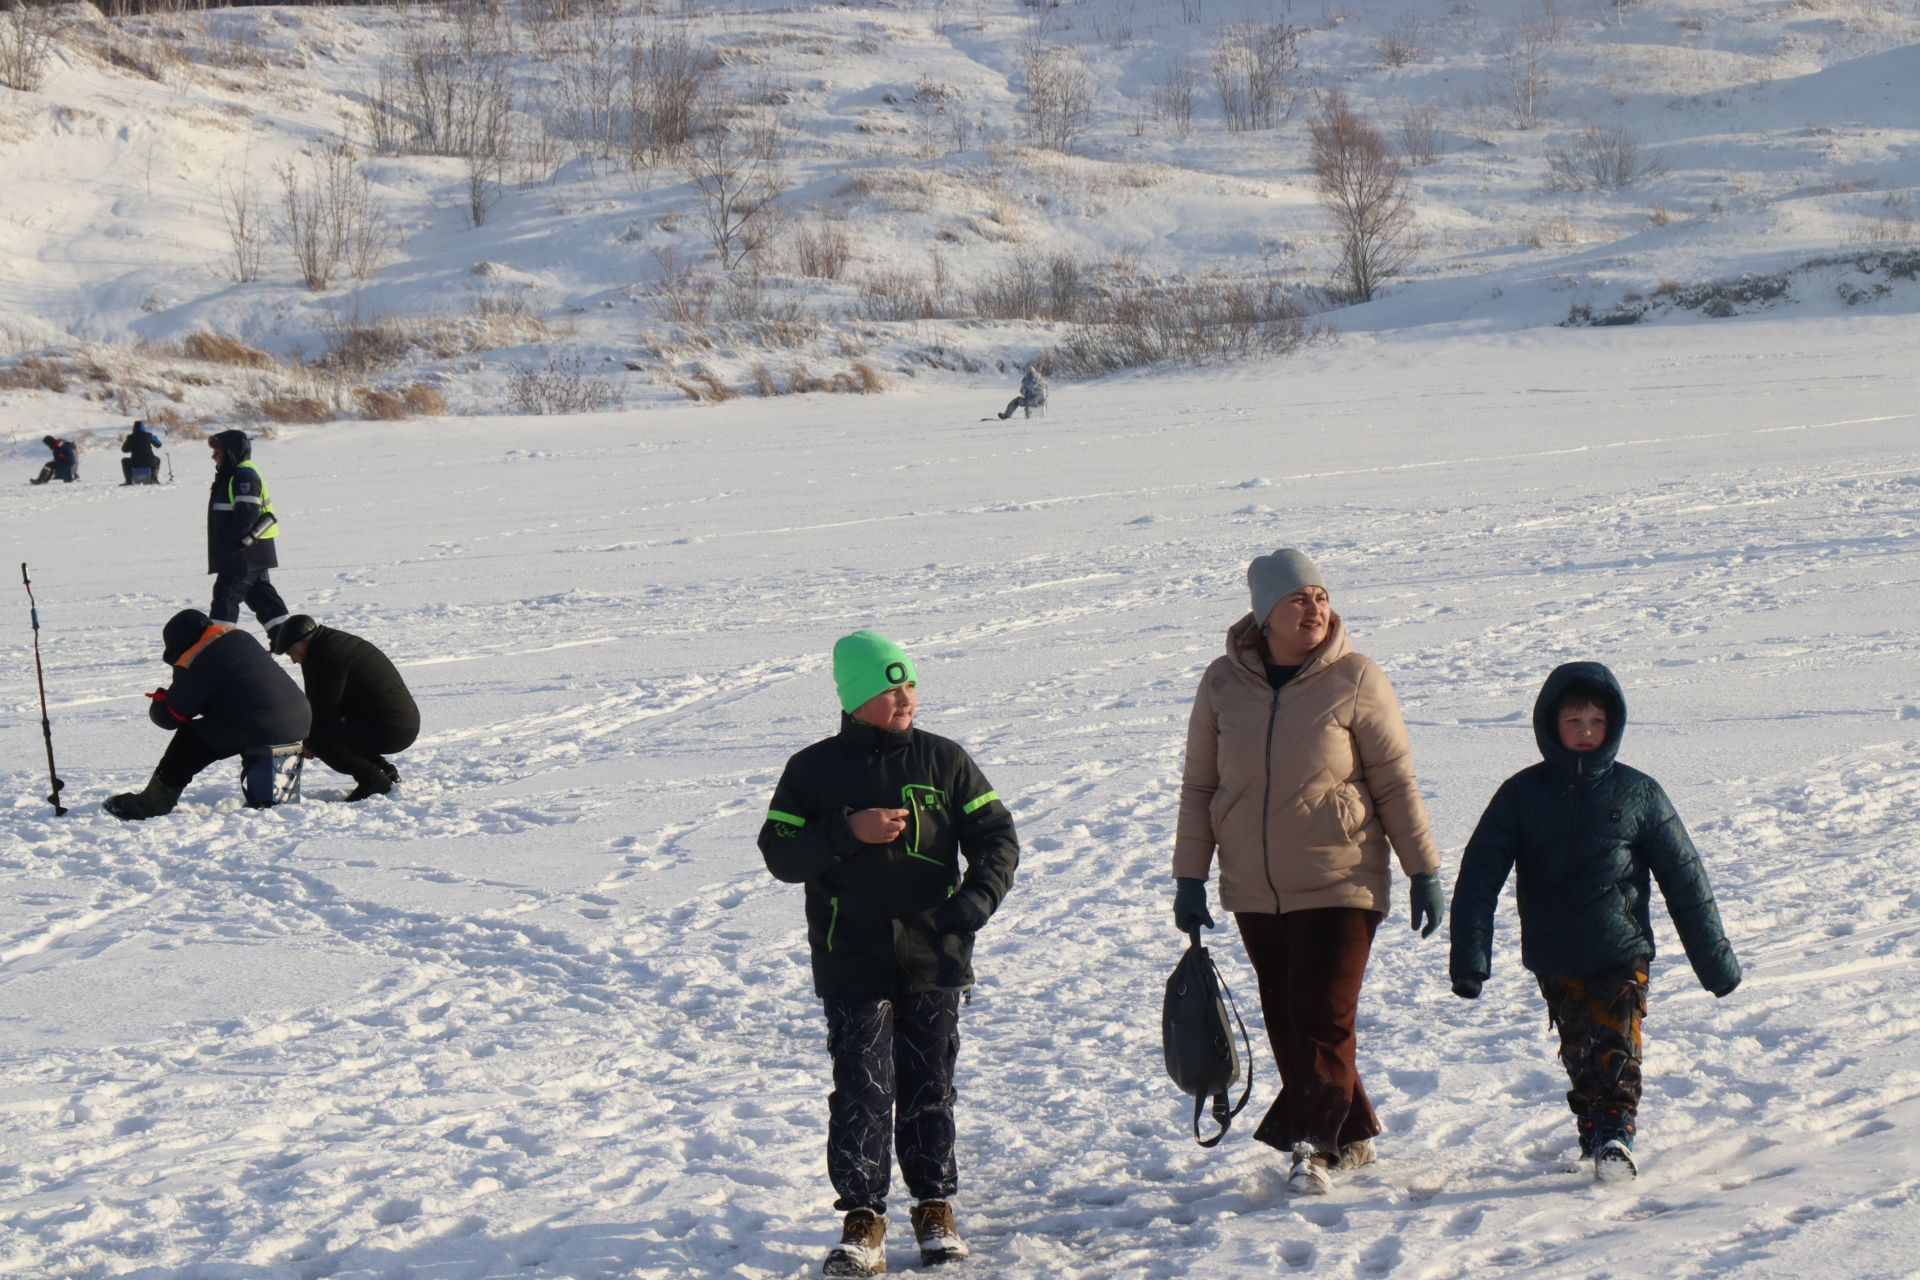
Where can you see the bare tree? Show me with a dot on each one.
(592, 63)
(246, 236)
(1420, 135)
(330, 218)
(1523, 56)
(1173, 96)
(27, 30)
(1059, 101)
(1255, 71)
(1362, 185)
(736, 173)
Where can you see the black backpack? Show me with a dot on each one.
(1198, 1039)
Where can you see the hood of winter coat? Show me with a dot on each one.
(1249, 651)
(1546, 726)
(234, 446)
(182, 629)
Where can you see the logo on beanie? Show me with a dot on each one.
(896, 673)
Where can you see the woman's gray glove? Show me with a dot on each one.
(1428, 906)
(1190, 904)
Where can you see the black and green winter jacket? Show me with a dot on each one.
(1584, 834)
(870, 908)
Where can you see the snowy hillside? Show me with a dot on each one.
(543, 1013)
(948, 189)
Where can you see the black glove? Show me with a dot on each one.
(1190, 904)
(1428, 906)
(962, 913)
(1467, 988)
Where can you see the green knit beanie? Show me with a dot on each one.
(865, 664)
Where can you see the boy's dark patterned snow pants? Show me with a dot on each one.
(1599, 1021)
(893, 1061)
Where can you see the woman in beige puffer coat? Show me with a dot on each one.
(1300, 773)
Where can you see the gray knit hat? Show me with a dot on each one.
(1272, 578)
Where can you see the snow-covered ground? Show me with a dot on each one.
(544, 1014)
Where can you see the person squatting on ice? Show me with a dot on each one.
(242, 531)
(1033, 394)
(227, 697)
(1300, 772)
(361, 707)
(142, 448)
(1582, 832)
(875, 822)
(65, 465)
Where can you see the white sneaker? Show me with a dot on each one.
(1309, 1176)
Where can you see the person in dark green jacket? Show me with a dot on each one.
(876, 822)
(1587, 836)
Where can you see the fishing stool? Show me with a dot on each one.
(271, 775)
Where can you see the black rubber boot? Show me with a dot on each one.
(153, 800)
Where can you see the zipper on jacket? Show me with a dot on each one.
(833, 918)
(1266, 802)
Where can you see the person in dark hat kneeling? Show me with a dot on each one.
(361, 707)
(227, 698)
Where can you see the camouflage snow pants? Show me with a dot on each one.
(893, 1062)
(1599, 1022)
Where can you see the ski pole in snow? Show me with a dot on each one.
(46, 725)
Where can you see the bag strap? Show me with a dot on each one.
(1222, 1114)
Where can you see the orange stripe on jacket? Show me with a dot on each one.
(212, 633)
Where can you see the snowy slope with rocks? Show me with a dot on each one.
(542, 1013)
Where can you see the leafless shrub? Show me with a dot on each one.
(1363, 187)
(1420, 136)
(895, 294)
(442, 95)
(379, 406)
(860, 379)
(423, 401)
(216, 349)
(736, 170)
(1014, 290)
(1059, 95)
(1601, 158)
(35, 373)
(27, 32)
(763, 383)
(329, 217)
(933, 108)
(1173, 95)
(357, 346)
(562, 386)
(1256, 72)
(1200, 321)
(666, 76)
(822, 250)
(1404, 42)
(1662, 216)
(685, 295)
(1552, 232)
(293, 410)
(241, 211)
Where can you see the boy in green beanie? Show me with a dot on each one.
(875, 821)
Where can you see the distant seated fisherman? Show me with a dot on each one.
(142, 449)
(65, 465)
(1033, 394)
(228, 698)
(361, 706)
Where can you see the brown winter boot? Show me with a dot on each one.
(939, 1239)
(862, 1250)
